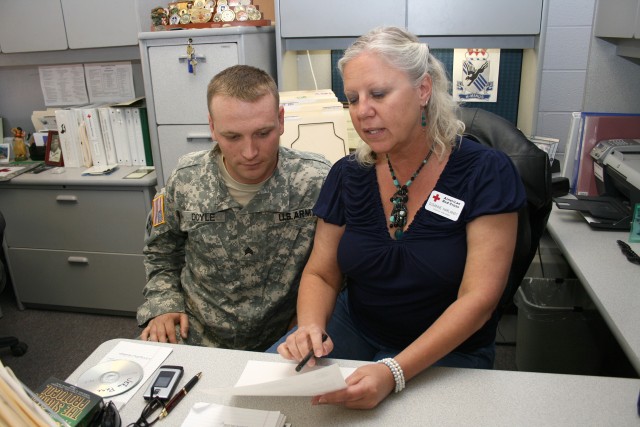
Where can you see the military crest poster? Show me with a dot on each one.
(475, 75)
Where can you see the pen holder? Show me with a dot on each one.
(36, 153)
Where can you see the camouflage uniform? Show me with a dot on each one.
(235, 271)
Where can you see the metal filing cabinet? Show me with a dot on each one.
(76, 241)
(177, 99)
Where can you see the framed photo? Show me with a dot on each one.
(53, 153)
(5, 153)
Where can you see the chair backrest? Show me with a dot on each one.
(3, 276)
(535, 170)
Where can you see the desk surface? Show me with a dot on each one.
(439, 396)
(611, 281)
(73, 176)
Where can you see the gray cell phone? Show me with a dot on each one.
(164, 383)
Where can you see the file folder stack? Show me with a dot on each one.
(314, 121)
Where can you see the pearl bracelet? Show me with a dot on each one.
(396, 371)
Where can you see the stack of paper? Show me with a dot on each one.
(548, 145)
(261, 378)
(17, 408)
(101, 170)
(43, 121)
(212, 414)
(314, 121)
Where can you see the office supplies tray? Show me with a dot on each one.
(600, 212)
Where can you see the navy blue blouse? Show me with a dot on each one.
(398, 288)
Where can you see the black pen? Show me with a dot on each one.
(308, 356)
(179, 396)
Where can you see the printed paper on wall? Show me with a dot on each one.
(475, 75)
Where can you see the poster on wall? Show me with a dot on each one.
(109, 82)
(63, 85)
(475, 75)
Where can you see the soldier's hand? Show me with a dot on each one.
(162, 328)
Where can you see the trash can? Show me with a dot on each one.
(553, 328)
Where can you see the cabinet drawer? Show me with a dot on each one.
(78, 279)
(175, 141)
(75, 219)
(180, 97)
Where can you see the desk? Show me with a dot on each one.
(610, 280)
(439, 396)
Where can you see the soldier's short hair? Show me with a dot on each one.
(243, 82)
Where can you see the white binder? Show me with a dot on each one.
(107, 135)
(131, 137)
(120, 136)
(94, 134)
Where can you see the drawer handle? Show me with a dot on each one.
(194, 137)
(78, 260)
(185, 58)
(67, 199)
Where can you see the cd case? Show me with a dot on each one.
(111, 378)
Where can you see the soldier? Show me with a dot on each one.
(229, 234)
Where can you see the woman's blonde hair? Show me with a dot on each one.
(404, 51)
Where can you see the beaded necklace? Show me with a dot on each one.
(398, 217)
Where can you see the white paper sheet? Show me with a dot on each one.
(109, 82)
(149, 356)
(6, 170)
(211, 414)
(281, 379)
(63, 85)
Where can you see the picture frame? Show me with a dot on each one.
(5, 153)
(53, 153)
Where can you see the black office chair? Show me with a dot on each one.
(17, 348)
(535, 170)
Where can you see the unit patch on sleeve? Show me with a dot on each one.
(158, 210)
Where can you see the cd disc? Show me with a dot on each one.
(111, 378)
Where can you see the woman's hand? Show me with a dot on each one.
(366, 388)
(298, 344)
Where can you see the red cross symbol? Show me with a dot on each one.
(436, 198)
